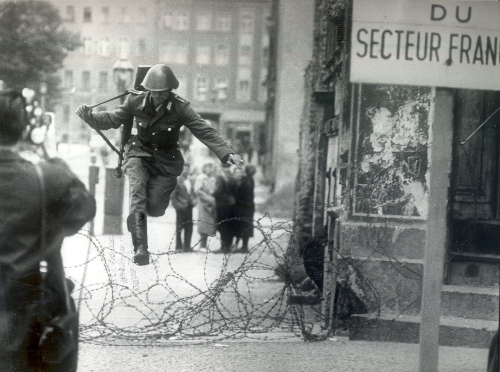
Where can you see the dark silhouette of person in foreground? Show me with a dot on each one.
(493, 365)
(25, 299)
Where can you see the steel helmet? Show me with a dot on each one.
(160, 77)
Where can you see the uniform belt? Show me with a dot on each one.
(154, 146)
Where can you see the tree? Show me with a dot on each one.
(33, 45)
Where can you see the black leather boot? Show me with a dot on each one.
(138, 227)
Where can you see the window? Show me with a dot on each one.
(104, 47)
(70, 14)
(265, 45)
(167, 53)
(203, 54)
(175, 53)
(263, 85)
(141, 47)
(201, 88)
(245, 50)
(222, 54)
(105, 14)
(265, 49)
(182, 90)
(181, 53)
(68, 79)
(244, 87)
(203, 21)
(103, 81)
(87, 15)
(87, 46)
(243, 84)
(247, 23)
(142, 19)
(245, 57)
(265, 56)
(221, 88)
(123, 48)
(125, 17)
(86, 81)
(182, 21)
(168, 19)
(223, 22)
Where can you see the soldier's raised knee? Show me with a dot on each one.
(155, 212)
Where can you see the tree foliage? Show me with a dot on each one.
(33, 45)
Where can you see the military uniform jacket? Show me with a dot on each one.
(156, 133)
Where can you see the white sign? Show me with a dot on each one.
(443, 44)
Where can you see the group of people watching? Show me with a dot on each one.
(224, 199)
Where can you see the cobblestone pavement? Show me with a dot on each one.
(286, 355)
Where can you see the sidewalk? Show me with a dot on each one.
(287, 355)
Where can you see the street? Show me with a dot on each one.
(204, 311)
(285, 355)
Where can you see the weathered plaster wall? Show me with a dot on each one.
(385, 236)
(305, 179)
(295, 45)
(383, 175)
(384, 240)
(387, 256)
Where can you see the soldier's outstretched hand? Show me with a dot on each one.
(85, 113)
(236, 160)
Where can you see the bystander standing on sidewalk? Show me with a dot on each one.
(245, 206)
(204, 187)
(183, 200)
(225, 188)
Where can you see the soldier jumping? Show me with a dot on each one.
(153, 159)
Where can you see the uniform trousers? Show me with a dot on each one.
(184, 221)
(149, 189)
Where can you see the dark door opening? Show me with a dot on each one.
(475, 207)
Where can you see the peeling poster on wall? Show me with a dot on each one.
(392, 151)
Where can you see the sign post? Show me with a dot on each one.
(435, 242)
(437, 44)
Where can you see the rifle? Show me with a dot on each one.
(119, 172)
(126, 131)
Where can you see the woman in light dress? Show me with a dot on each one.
(204, 187)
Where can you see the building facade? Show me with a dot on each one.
(365, 169)
(219, 51)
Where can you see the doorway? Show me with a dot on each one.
(474, 244)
